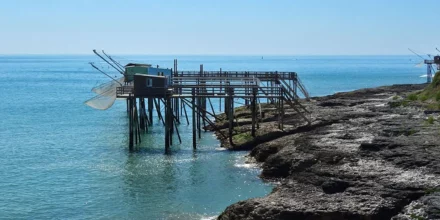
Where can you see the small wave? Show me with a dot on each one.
(243, 161)
(209, 217)
(220, 148)
(246, 165)
(426, 75)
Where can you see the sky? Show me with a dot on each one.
(224, 27)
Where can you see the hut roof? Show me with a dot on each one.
(149, 76)
(137, 64)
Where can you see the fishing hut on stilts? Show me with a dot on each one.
(146, 88)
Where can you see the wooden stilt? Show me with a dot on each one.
(177, 131)
(278, 106)
(212, 107)
(199, 131)
(254, 110)
(231, 115)
(282, 109)
(194, 118)
(167, 124)
(150, 110)
(142, 121)
(170, 115)
(221, 89)
(188, 103)
(128, 107)
(130, 124)
(260, 112)
(159, 114)
(227, 104)
(186, 115)
(135, 124)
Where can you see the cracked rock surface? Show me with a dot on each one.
(361, 159)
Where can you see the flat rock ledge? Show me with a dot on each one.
(363, 158)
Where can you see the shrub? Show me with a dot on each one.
(430, 120)
(433, 106)
(424, 98)
(405, 103)
(412, 97)
(437, 97)
(411, 132)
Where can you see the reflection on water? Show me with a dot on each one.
(186, 183)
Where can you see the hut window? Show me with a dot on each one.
(149, 82)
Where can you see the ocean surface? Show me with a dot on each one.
(60, 159)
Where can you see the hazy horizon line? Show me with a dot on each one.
(171, 54)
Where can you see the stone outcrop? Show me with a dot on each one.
(363, 158)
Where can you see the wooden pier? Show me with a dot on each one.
(184, 91)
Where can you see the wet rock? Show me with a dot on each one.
(263, 151)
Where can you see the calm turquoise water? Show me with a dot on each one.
(61, 159)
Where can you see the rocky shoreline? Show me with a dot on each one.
(365, 156)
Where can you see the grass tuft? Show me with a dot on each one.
(242, 138)
(412, 97)
(430, 120)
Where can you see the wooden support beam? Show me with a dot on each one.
(193, 102)
(282, 109)
(188, 103)
(254, 110)
(144, 113)
(150, 110)
(231, 114)
(137, 124)
(199, 131)
(177, 131)
(246, 89)
(171, 116)
(203, 99)
(221, 90)
(159, 114)
(128, 107)
(186, 114)
(212, 108)
(130, 124)
(167, 124)
(227, 104)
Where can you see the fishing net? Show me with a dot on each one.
(107, 86)
(106, 95)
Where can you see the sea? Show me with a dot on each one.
(61, 159)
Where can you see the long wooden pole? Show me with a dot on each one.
(194, 118)
(167, 123)
(254, 110)
(130, 124)
(150, 110)
(231, 114)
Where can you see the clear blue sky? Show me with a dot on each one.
(294, 27)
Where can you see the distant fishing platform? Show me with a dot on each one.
(146, 88)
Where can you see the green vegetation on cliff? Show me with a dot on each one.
(432, 92)
(429, 97)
